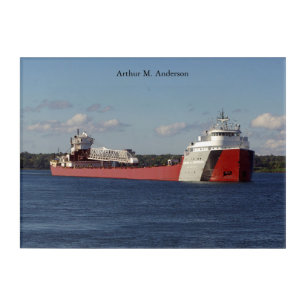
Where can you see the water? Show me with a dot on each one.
(66, 212)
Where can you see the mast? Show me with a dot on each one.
(222, 117)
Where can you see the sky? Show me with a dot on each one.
(150, 114)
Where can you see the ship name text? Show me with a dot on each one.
(150, 73)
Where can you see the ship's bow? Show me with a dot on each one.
(246, 165)
(234, 165)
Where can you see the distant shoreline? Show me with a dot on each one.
(270, 171)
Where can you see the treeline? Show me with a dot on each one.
(35, 161)
(270, 163)
(267, 163)
(156, 160)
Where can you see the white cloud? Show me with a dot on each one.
(39, 126)
(172, 129)
(111, 123)
(77, 119)
(42, 126)
(269, 121)
(81, 121)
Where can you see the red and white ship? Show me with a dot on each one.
(220, 154)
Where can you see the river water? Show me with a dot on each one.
(69, 212)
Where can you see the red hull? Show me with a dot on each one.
(162, 173)
(234, 165)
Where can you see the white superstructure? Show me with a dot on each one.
(80, 142)
(223, 135)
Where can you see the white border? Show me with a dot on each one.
(152, 277)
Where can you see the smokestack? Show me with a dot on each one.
(78, 132)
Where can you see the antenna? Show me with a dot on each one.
(222, 118)
(78, 132)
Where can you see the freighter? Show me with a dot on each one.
(220, 154)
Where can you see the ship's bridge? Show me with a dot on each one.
(229, 133)
(222, 136)
(81, 142)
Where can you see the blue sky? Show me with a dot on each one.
(151, 115)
